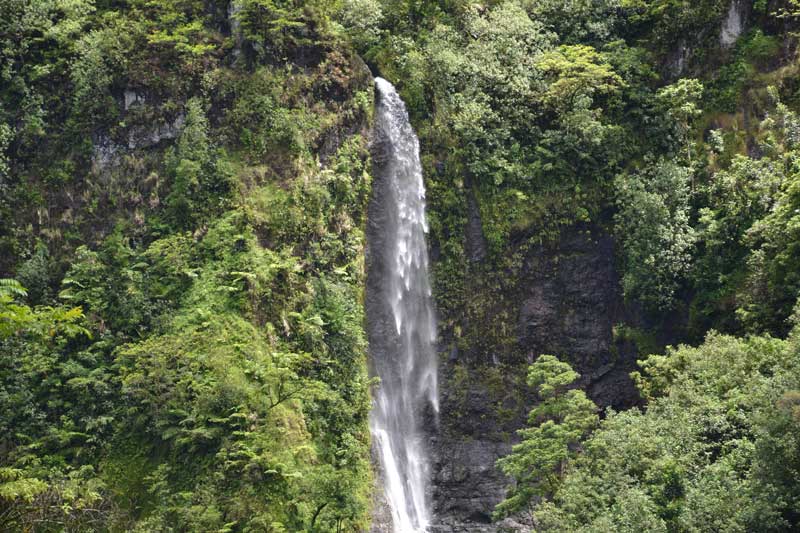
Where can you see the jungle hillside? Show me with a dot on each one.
(612, 196)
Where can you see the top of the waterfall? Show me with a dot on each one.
(383, 85)
(389, 93)
(389, 100)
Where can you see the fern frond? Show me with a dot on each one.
(11, 287)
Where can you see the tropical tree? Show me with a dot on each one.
(556, 427)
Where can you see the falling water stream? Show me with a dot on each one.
(401, 320)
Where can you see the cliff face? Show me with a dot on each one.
(195, 177)
(570, 301)
(203, 201)
(565, 300)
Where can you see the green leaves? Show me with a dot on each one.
(273, 26)
(10, 289)
(575, 71)
(42, 323)
(201, 179)
(654, 226)
(548, 375)
(179, 25)
(557, 425)
(697, 459)
(223, 387)
(577, 21)
(361, 19)
(14, 486)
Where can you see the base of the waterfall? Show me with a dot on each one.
(381, 518)
(504, 526)
(381, 510)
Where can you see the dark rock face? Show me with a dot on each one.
(475, 240)
(467, 484)
(381, 511)
(566, 300)
(570, 300)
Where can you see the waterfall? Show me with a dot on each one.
(401, 321)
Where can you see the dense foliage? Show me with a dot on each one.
(559, 422)
(182, 203)
(646, 120)
(185, 206)
(716, 449)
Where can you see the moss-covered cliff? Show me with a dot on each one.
(183, 192)
(194, 177)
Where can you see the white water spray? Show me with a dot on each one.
(402, 324)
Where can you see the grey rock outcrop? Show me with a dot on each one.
(467, 485)
(570, 300)
(734, 23)
(566, 300)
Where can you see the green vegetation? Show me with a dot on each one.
(191, 355)
(656, 237)
(560, 421)
(183, 190)
(714, 451)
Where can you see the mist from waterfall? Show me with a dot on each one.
(401, 319)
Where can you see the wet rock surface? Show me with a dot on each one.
(381, 511)
(566, 300)
(570, 300)
(475, 240)
(467, 486)
(734, 23)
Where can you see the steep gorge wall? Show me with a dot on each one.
(209, 220)
(566, 301)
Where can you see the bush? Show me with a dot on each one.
(655, 233)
